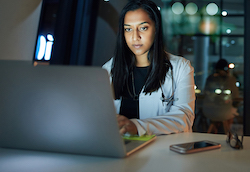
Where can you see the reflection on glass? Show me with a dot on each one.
(220, 103)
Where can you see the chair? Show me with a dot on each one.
(219, 113)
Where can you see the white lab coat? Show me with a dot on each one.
(157, 117)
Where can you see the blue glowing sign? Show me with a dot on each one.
(44, 47)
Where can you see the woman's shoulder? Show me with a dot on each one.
(180, 64)
(177, 60)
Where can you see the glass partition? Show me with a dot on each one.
(211, 36)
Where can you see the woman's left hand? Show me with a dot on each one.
(126, 125)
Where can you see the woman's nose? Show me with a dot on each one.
(136, 35)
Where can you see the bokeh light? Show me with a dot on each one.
(191, 8)
(231, 65)
(212, 9)
(224, 13)
(177, 8)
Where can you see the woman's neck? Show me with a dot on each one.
(142, 61)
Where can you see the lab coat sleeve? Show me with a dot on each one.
(180, 116)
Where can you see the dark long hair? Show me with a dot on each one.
(124, 59)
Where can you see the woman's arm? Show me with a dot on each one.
(180, 116)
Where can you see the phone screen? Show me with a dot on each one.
(194, 146)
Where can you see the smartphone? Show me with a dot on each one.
(192, 147)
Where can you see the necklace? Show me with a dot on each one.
(134, 95)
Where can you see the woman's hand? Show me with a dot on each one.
(126, 125)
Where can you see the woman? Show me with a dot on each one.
(154, 90)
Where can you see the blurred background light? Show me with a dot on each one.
(237, 84)
(212, 9)
(44, 47)
(50, 37)
(217, 91)
(208, 26)
(191, 8)
(231, 65)
(228, 31)
(41, 46)
(224, 13)
(177, 8)
(197, 91)
(49, 47)
(227, 92)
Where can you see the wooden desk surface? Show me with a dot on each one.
(156, 157)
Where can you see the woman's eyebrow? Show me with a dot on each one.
(138, 24)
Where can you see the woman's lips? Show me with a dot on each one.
(137, 45)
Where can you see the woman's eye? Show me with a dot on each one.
(128, 29)
(143, 28)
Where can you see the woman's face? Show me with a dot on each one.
(139, 32)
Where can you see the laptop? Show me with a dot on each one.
(65, 109)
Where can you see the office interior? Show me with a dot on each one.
(201, 31)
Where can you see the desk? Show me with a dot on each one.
(156, 157)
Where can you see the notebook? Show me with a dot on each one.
(66, 109)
